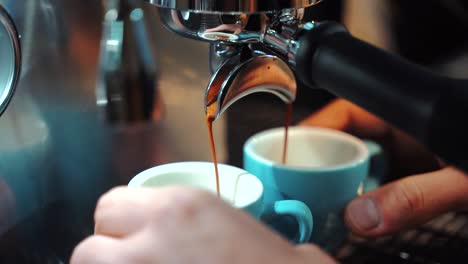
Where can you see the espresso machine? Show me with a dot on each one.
(92, 92)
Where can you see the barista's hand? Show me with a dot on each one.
(407, 202)
(177, 226)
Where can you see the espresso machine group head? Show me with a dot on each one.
(252, 43)
(262, 46)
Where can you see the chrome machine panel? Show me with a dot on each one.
(58, 152)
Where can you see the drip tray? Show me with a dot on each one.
(443, 240)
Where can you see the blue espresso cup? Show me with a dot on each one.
(325, 169)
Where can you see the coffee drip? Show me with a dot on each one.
(210, 118)
(287, 123)
(241, 75)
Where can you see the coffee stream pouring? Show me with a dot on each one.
(247, 36)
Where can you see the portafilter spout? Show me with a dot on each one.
(238, 77)
(240, 34)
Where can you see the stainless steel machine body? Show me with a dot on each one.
(60, 148)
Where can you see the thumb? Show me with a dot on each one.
(407, 203)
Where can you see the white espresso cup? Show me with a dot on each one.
(239, 188)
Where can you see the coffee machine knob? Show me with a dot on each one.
(10, 59)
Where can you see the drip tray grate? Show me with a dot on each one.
(443, 240)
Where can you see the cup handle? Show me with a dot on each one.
(296, 209)
(378, 166)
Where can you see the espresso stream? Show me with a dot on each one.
(210, 117)
(287, 123)
(209, 123)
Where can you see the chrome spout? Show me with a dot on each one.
(237, 78)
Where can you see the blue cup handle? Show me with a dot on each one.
(296, 209)
(377, 167)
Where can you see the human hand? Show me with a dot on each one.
(405, 203)
(400, 148)
(179, 225)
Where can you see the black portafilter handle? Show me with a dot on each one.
(430, 107)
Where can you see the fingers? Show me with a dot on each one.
(124, 211)
(400, 147)
(121, 211)
(100, 250)
(409, 202)
(345, 116)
